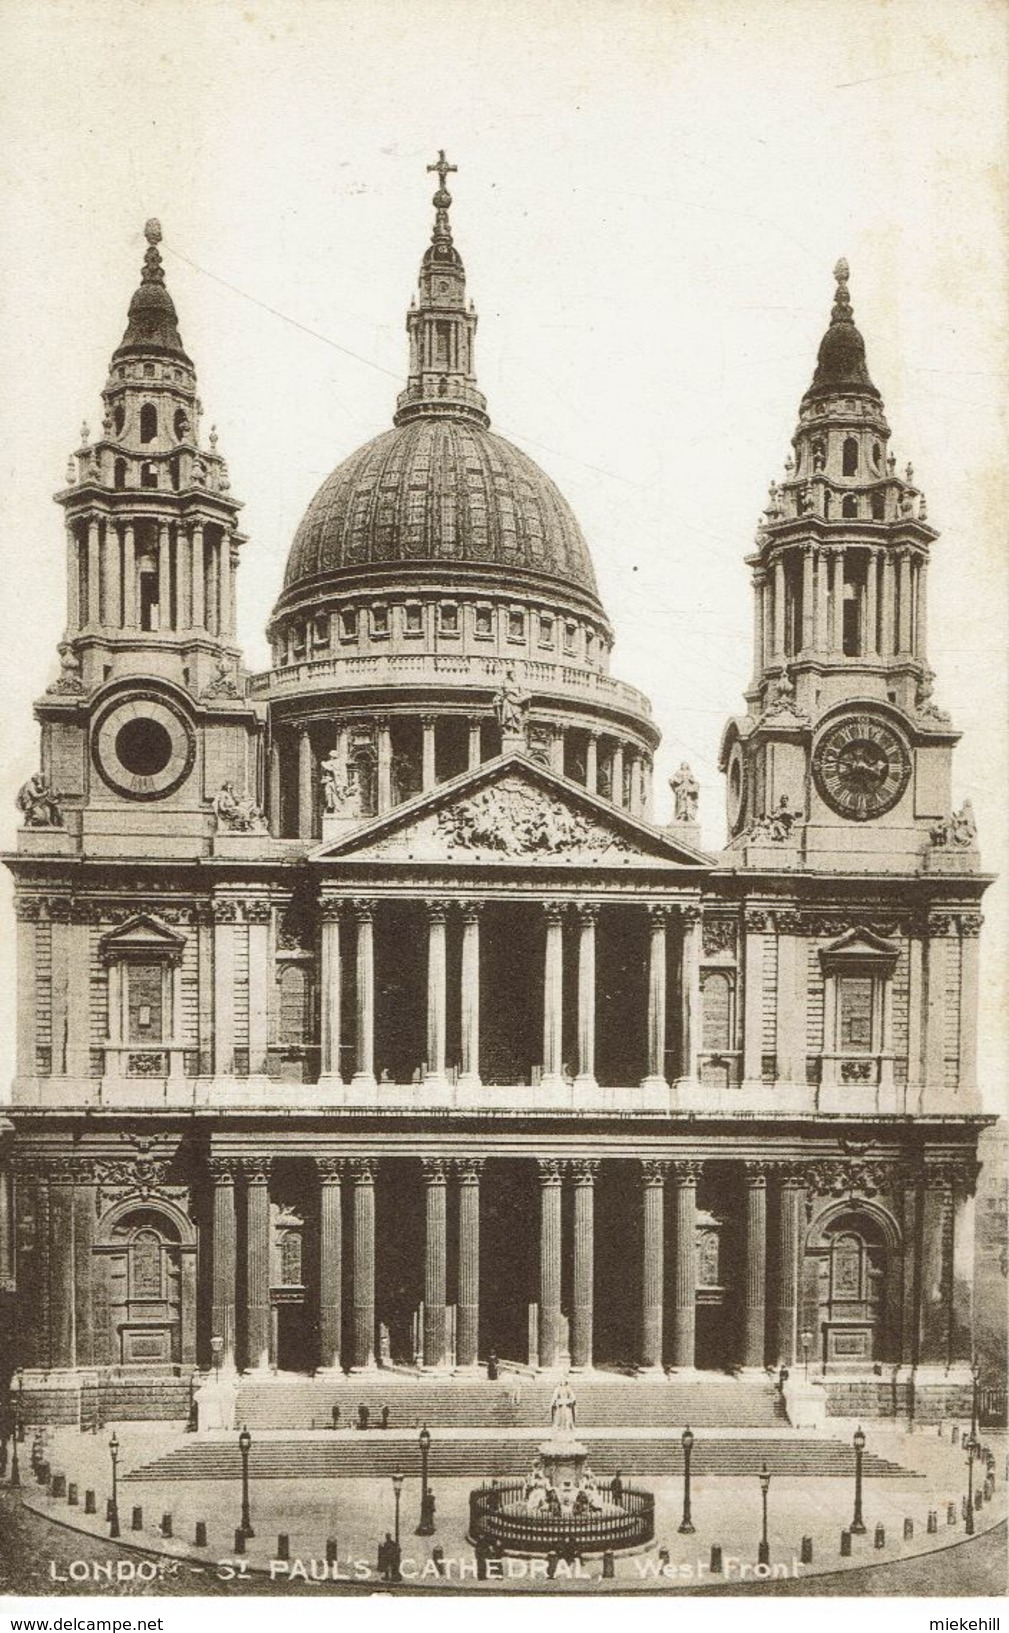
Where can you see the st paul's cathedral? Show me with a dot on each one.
(369, 1017)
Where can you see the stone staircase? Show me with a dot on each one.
(350, 1455)
(513, 1403)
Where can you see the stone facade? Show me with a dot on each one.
(366, 1013)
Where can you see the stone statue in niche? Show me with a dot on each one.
(511, 701)
(338, 794)
(240, 815)
(686, 789)
(38, 804)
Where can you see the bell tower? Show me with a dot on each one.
(842, 758)
(149, 709)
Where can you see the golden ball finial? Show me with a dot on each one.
(152, 231)
(841, 271)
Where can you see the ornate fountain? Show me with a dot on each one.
(561, 1506)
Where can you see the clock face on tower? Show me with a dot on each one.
(143, 748)
(861, 766)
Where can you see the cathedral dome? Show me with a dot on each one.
(437, 490)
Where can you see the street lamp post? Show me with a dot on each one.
(114, 1513)
(975, 1390)
(764, 1546)
(857, 1526)
(244, 1446)
(397, 1489)
(686, 1527)
(807, 1344)
(971, 1450)
(426, 1526)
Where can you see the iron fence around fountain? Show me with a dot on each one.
(497, 1516)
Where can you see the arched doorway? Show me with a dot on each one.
(851, 1287)
(146, 1283)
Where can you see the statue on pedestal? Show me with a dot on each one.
(686, 789)
(511, 702)
(562, 1409)
(38, 804)
(240, 815)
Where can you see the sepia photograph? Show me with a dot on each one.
(503, 934)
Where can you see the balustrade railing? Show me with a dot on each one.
(497, 1515)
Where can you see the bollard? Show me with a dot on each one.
(283, 1546)
(137, 1520)
(978, 1499)
(59, 1485)
(932, 1524)
(951, 1513)
(166, 1525)
(608, 1565)
(954, 1434)
(72, 1495)
(44, 1473)
(90, 1505)
(716, 1559)
(845, 1544)
(239, 1541)
(806, 1551)
(908, 1530)
(201, 1534)
(879, 1539)
(331, 1551)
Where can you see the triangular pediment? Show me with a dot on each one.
(513, 812)
(860, 945)
(139, 935)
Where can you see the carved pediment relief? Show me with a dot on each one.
(141, 936)
(519, 814)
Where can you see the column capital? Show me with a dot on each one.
(256, 1170)
(685, 1170)
(658, 914)
(468, 1170)
(435, 1170)
(792, 1176)
(330, 909)
(551, 1171)
(553, 912)
(224, 1169)
(428, 721)
(759, 920)
(587, 912)
(362, 1170)
(690, 914)
(330, 1169)
(471, 911)
(950, 1176)
(654, 1170)
(437, 910)
(364, 909)
(757, 1172)
(584, 1170)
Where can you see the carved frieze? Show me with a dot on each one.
(719, 936)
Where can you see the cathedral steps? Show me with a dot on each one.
(375, 1455)
(510, 1404)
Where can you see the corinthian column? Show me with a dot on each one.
(653, 1175)
(904, 621)
(685, 1176)
(551, 1174)
(690, 989)
(330, 1170)
(756, 1265)
(362, 1178)
(587, 915)
(257, 1222)
(198, 577)
(467, 1337)
(792, 1193)
(329, 1030)
(364, 1076)
(435, 1249)
(584, 1173)
(553, 993)
(223, 1250)
(470, 995)
(436, 985)
(657, 997)
(306, 811)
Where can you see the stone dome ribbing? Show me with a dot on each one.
(440, 490)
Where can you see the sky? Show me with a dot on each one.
(650, 201)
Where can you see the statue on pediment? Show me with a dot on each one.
(685, 789)
(239, 814)
(511, 702)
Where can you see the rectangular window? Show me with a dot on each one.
(380, 620)
(483, 622)
(348, 624)
(855, 1012)
(448, 618)
(546, 629)
(570, 632)
(717, 1011)
(516, 624)
(144, 1002)
(320, 630)
(413, 619)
